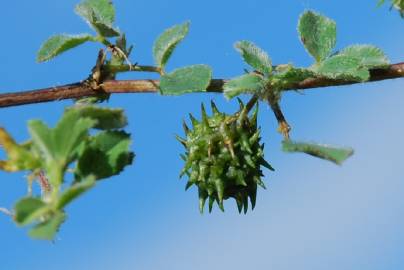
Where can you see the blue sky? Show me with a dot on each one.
(314, 215)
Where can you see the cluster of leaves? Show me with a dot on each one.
(318, 35)
(68, 147)
(100, 16)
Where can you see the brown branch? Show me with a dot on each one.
(81, 89)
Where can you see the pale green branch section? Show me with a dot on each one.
(128, 68)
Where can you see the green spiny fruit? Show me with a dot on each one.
(223, 157)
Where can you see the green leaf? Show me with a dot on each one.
(106, 155)
(59, 44)
(249, 83)
(106, 118)
(20, 157)
(29, 209)
(318, 34)
(189, 79)
(100, 15)
(74, 191)
(368, 56)
(47, 229)
(254, 56)
(342, 67)
(333, 154)
(167, 42)
(59, 146)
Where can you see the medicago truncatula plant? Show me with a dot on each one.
(224, 154)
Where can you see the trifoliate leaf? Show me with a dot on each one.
(59, 44)
(342, 67)
(47, 229)
(331, 153)
(189, 79)
(20, 157)
(248, 83)
(100, 15)
(28, 210)
(368, 56)
(254, 56)
(106, 118)
(106, 155)
(74, 191)
(167, 42)
(318, 34)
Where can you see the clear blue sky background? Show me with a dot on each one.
(314, 215)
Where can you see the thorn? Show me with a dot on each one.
(221, 206)
(241, 104)
(193, 120)
(254, 138)
(202, 200)
(185, 127)
(246, 143)
(181, 140)
(254, 116)
(240, 179)
(239, 203)
(215, 110)
(205, 120)
(265, 163)
(220, 190)
(211, 201)
(189, 184)
(245, 197)
(253, 197)
(259, 182)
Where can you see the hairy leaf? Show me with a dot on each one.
(189, 79)
(106, 118)
(59, 44)
(333, 154)
(100, 15)
(167, 42)
(343, 67)
(254, 56)
(28, 210)
(368, 56)
(106, 155)
(47, 229)
(248, 83)
(74, 191)
(318, 34)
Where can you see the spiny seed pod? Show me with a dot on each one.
(223, 157)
